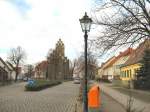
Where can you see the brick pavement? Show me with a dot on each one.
(61, 98)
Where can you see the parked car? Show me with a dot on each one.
(91, 81)
(107, 78)
(26, 78)
(76, 81)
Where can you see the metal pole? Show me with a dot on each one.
(85, 76)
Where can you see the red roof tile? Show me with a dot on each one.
(108, 62)
(122, 54)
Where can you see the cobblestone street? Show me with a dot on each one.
(61, 98)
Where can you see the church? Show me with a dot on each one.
(58, 63)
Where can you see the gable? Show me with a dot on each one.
(137, 55)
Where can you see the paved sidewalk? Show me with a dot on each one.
(110, 105)
(122, 98)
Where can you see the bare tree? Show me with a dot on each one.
(30, 71)
(50, 51)
(73, 65)
(91, 64)
(124, 22)
(16, 56)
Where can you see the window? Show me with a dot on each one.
(136, 71)
(130, 73)
(122, 74)
(127, 73)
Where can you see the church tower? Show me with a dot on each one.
(58, 63)
(60, 48)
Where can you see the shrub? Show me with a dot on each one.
(142, 84)
(40, 84)
(143, 74)
(106, 80)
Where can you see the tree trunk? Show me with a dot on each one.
(16, 76)
(16, 70)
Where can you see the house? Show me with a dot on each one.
(120, 60)
(133, 64)
(107, 70)
(92, 71)
(5, 71)
(12, 71)
(111, 68)
(100, 71)
(41, 70)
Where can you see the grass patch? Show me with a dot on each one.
(137, 95)
(120, 83)
(40, 84)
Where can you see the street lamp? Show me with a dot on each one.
(86, 26)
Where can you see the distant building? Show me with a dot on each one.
(8, 71)
(100, 71)
(4, 71)
(41, 70)
(58, 63)
(11, 71)
(107, 70)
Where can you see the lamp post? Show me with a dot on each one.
(86, 26)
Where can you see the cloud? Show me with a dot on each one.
(21, 5)
(46, 21)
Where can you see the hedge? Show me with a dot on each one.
(142, 84)
(40, 84)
